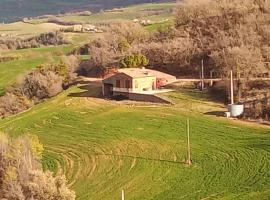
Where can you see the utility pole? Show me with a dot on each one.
(188, 143)
(232, 99)
(211, 77)
(123, 195)
(202, 75)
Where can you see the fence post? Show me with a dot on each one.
(188, 143)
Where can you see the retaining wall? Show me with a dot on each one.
(145, 97)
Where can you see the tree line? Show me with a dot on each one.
(44, 39)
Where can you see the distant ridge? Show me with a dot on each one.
(14, 10)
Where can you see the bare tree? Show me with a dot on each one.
(21, 175)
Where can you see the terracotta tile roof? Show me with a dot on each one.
(142, 72)
(136, 72)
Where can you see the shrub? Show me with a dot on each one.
(11, 104)
(45, 39)
(9, 58)
(128, 30)
(52, 38)
(41, 84)
(72, 63)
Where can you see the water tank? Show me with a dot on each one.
(236, 109)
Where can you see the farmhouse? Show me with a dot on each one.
(136, 82)
(78, 28)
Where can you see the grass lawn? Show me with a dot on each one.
(104, 146)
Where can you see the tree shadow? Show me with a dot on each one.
(90, 89)
(216, 113)
(142, 158)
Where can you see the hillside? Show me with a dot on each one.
(104, 146)
(32, 8)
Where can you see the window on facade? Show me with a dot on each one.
(118, 83)
(136, 84)
(127, 84)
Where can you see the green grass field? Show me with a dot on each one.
(145, 11)
(105, 146)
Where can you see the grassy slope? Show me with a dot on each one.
(103, 147)
(30, 59)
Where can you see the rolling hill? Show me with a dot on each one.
(31, 8)
(104, 146)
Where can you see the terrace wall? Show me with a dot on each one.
(145, 97)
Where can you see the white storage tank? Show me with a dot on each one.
(236, 109)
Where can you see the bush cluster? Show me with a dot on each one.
(135, 60)
(42, 83)
(45, 39)
(9, 58)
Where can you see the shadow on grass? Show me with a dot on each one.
(195, 94)
(143, 158)
(216, 113)
(205, 95)
(90, 89)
